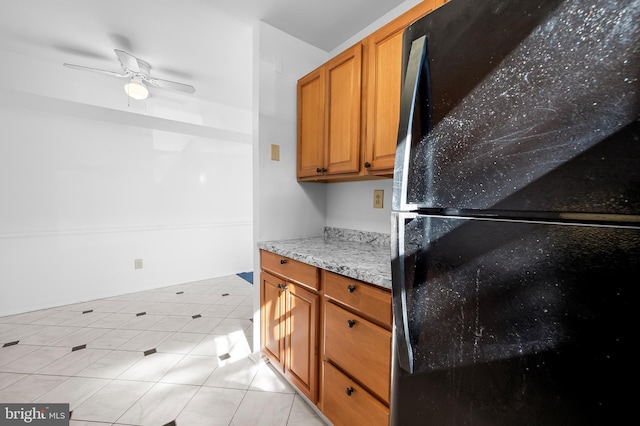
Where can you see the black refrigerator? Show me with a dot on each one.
(516, 215)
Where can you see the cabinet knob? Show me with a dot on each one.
(367, 164)
(351, 288)
(348, 391)
(321, 170)
(351, 323)
(283, 261)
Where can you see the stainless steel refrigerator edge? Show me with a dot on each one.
(516, 214)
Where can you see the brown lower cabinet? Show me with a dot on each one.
(347, 403)
(289, 313)
(330, 336)
(359, 347)
(356, 351)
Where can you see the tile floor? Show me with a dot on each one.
(178, 356)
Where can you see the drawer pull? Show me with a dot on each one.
(348, 391)
(351, 323)
(351, 288)
(283, 261)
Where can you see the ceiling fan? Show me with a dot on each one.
(137, 72)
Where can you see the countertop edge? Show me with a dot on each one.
(368, 272)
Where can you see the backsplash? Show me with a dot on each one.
(354, 235)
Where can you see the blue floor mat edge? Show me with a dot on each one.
(247, 276)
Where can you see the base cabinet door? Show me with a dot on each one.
(272, 308)
(301, 339)
(289, 331)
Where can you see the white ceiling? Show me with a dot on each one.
(324, 24)
(181, 39)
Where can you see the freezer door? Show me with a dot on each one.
(505, 322)
(512, 108)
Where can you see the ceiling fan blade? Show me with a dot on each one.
(171, 85)
(127, 60)
(96, 70)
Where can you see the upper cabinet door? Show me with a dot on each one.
(311, 123)
(384, 81)
(383, 112)
(344, 90)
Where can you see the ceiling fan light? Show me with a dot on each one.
(136, 90)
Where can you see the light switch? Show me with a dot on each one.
(378, 198)
(275, 152)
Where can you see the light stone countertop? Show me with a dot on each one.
(364, 256)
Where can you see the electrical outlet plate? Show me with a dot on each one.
(378, 198)
(275, 152)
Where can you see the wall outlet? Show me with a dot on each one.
(378, 198)
(138, 263)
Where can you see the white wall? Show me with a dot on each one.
(350, 206)
(88, 184)
(283, 208)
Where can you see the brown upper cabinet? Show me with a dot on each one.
(349, 108)
(311, 107)
(384, 80)
(329, 108)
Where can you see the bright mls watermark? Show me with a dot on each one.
(34, 414)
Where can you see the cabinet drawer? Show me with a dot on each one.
(359, 347)
(291, 269)
(346, 403)
(370, 301)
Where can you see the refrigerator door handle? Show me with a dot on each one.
(408, 100)
(404, 350)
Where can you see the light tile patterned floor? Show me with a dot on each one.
(178, 355)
